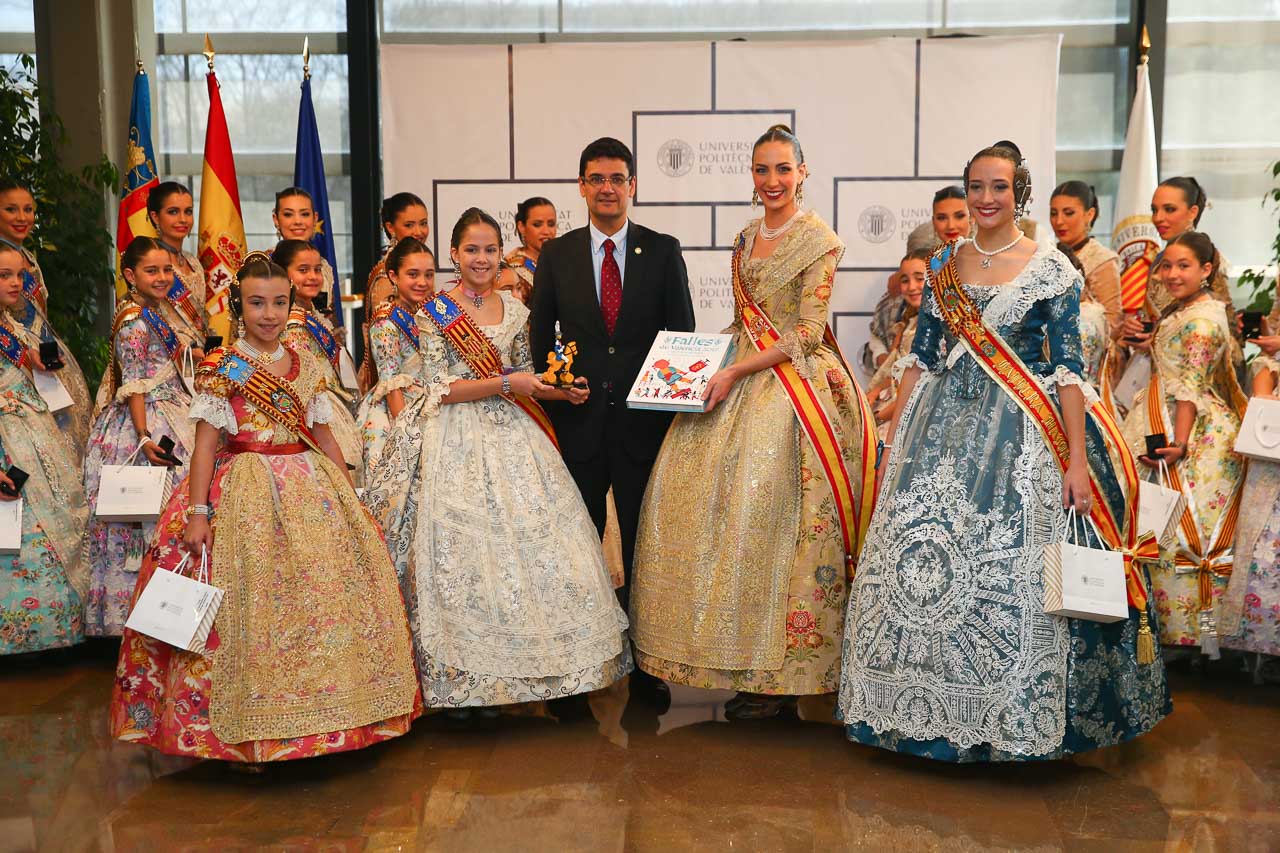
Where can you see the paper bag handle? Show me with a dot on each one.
(1072, 518)
(202, 574)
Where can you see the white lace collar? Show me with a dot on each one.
(1047, 274)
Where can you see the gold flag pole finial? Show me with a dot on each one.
(306, 57)
(137, 52)
(1146, 46)
(208, 51)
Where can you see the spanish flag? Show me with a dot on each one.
(139, 175)
(222, 242)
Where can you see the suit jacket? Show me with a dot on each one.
(655, 296)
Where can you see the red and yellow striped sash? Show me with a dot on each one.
(474, 347)
(854, 503)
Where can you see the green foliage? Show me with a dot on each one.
(1255, 279)
(74, 250)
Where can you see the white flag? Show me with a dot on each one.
(1134, 237)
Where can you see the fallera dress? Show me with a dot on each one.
(312, 331)
(310, 653)
(1251, 604)
(397, 366)
(740, 579)
(500, 565)
(142, 364)
(42, 587)
(1192, 358)
(948, 651)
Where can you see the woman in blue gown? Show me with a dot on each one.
(948, 651)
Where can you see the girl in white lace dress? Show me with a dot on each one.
(501, 567)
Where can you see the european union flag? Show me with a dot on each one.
(308, 173)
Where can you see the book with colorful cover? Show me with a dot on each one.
(677, 369)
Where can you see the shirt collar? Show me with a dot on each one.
(598, 237)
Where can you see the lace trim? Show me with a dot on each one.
(1046, 275)
(792, 344)
(215, 411)
(1262, 363)
(1062, 377)
(436, 390)
(146, 385)
(319, 410)
(908, 361)
(398, 382)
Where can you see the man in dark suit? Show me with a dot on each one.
(612, 286)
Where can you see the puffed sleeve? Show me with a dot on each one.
(131, 352)
(1103, 284)
(1203, 343)
(319, 410)
(386, 343)
(521, 358)
(1062, 329)
(926, 349)
(802, 340)
(435, 369)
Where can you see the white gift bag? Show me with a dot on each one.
(1083, 582)
(187, 372)
(11, 526)
(51, 389)
(1160, 507)
(176, 609)
(1259, 435)
(133, 492)
(1137, 376)
(347, 371)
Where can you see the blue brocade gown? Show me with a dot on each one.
(948, 652)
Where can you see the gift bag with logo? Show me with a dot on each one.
(1259, 435)
(1160, 507)
(1083, 582)
(133, 492)
(177, 609)
(1137, 376)
(11, 526)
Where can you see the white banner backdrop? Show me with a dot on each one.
(884, 123)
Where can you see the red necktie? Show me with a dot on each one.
(610, 288)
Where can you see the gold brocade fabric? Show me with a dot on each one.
(739, 575)
(343, 426)
(311, 631)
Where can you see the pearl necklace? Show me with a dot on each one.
(774, 233)
(986, 262)
(258, 355)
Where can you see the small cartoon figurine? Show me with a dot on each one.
(560, 362)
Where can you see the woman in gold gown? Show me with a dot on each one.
(740, 568)
(1198, 408)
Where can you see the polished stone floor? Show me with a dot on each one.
(624, 777)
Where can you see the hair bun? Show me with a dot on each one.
(1012, 146)
(781, 127)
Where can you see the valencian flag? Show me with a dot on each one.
(222, 242)
(308, 173)
(1134, 237)
(139, 174)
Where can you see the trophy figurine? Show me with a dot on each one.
(560, 363)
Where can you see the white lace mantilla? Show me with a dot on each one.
(1046, 275)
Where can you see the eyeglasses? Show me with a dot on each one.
(616, 181)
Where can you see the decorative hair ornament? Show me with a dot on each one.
(255, 255)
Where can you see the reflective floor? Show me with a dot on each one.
(624, 777)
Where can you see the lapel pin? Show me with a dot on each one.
(637, 250)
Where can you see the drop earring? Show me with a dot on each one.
(755, 199)
(800, 194)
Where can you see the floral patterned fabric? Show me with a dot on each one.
(42, 587)
(399, 366)
(739, 572)
(1253, 624)
(1094, 339)
(343, 424)
(501, 567)
(949, 653)
(309, 653)
(1192, 357)
(116, 548)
